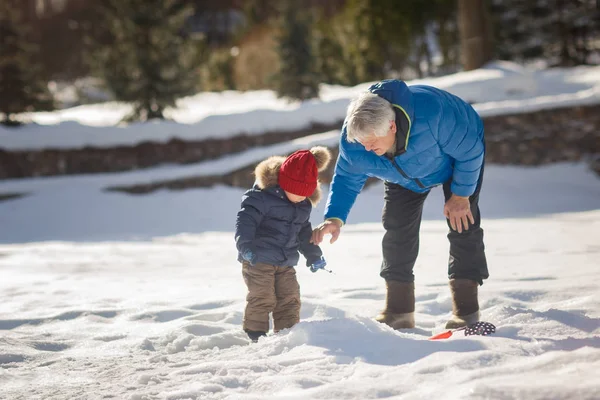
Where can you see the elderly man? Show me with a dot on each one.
(414, 138)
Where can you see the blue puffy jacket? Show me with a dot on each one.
(444, 140)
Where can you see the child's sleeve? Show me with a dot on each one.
(248, 219)
(310, 251)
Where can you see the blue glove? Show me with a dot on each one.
(249, 256)
(317, 265)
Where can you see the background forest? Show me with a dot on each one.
(151, 52)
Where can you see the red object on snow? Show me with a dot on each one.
(443, 335)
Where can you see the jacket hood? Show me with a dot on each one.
(396, 92)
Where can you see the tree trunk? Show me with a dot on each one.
(475, 38)
(428, 56)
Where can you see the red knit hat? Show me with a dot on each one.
(298, 173)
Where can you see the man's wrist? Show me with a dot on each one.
(337, 221)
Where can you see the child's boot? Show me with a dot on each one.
(255, 335)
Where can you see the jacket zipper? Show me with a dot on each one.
(417, 181)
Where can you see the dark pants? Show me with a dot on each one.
(402, 219)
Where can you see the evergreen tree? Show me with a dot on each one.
(383, 37)
(330, 56)
(561, 31)
(297, 77)
(21, 88)
(445, 28)
(520, 29)
(337, 50)
(372, 40)
(146, 59)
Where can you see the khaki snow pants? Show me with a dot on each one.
(270, 289)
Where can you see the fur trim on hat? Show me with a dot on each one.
(267, 171)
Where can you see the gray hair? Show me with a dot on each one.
(368, 114)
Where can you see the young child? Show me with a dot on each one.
(271, 228)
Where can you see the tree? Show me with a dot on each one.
(562, 32)
(475, 33)
(297, 77)
(21, 88)
(60, 36)
(445, 28)
(146, 59)
(331, 60)
(575, 26)
(383, 38)
(519, 29)
(259, 11)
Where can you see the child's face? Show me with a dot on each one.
(294, 198)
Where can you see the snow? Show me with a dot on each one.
(222, 165)
(498, 88)
(59, 207)
(109, 295)
(161, 318)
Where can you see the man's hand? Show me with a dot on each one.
(330, 226)
(458, 210)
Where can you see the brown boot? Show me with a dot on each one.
(399, 312)
(465, 307)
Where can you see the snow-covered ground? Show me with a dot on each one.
(109, 295)
(141, 297)
(161, 319)
(499, 88)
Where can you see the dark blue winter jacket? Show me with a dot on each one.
(274, 228)
(442, 139)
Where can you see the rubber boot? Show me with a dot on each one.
(399, 312)
(465, 307)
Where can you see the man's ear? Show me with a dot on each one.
(393, 126)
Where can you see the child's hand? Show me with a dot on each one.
(249, 256)
(317, 265)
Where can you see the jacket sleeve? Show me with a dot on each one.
(248, 219)
(310, 251)
(460, 135)
(346, 184)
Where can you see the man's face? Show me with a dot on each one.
(380, 144)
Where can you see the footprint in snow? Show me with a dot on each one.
(163, 316)
(50, 346)
(362, 295)
(211, 305)
(525, 295)
(110, 338)
(203, 330)
(8, 359)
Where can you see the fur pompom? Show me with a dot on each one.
(322, 156)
